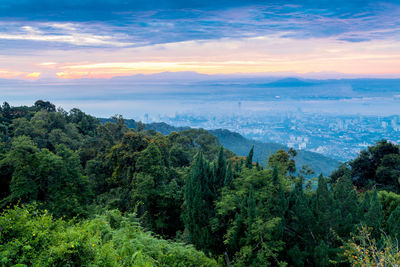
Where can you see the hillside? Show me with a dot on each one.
(241, 146)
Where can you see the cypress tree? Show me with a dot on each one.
(199, 205)
(374, 217)
(236, 241)
(220, 170)
(229, 175)
(323, 207)
(249, 159)
(258, 166)
(278, 200)
(321, 255)
(251, 207)
(346, 202)
(364, 206)
(301, 221)
(393, 224)
(275, 175)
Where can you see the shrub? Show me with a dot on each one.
(32, 237)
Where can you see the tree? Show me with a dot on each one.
(69, 191)
(346, 204)
(376, 160)
(199, 206)
(374, 216)
(220, 170)
(251, 207)
(46, 105)
(283, 161)
(6, 112)
(278, 201)
(321, 257)
(85, 123)
(53, 179)
(249, 159)
(388, 172)
(229, 175)
(393, 223)
(323, 209)
(23, 159)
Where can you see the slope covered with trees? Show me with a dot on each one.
(241, 146)
(78, 192)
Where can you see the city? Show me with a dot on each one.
(338, 136)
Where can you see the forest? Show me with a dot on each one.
(78, 192)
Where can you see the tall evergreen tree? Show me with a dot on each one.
(364, 205)
(249, 159)
(374, 217)
(199, 205)
(229, 175)
(220, 170)
(346, 204)
(277, 198)
(393, 224)
(321, 257)
(323, 208)
(251, 207)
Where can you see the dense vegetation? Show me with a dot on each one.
(80, 193)
(241, 146)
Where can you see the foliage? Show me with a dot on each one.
(199, 205)
(33, 237)
(75, 177)
(379, 165)
(252, 223)
(364, 250)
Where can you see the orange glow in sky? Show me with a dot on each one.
(264, 54)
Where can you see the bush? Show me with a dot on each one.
(32, 237)
(364, 250)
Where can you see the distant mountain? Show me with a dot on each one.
(241, 146)
(290, 82)
(165, 77)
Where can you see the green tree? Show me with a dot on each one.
(69, 191)
(249, 159)
(46, 105)
(393, 223)
(199, 206)
(374, 216)
(323, 209)
(283, 161)
(23, 159)
(321, 257)
(388, 172)
(229, 175)
(346, 202)
(220, 170)
(364, 168)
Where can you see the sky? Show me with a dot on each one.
(102, 39)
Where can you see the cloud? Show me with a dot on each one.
(261, 54)
(105, 38)
(9, 74)
(33, 75)
(61, 33)
(12, 74)
(47, 64)
(107, 23)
